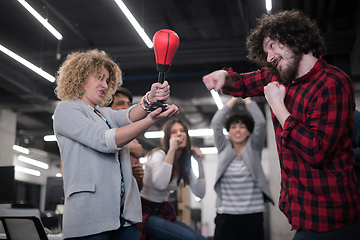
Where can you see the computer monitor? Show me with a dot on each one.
(7, 184)
(54, 193)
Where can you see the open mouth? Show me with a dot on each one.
(277, 63)
(102, 92)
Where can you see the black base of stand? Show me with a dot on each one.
(155, 105)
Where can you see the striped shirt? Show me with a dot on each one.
(240, 194)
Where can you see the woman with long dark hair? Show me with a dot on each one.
(168, 167)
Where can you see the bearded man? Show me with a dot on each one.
(312, 106)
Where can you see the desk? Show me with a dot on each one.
(50, 236)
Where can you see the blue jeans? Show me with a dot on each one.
(123, 233)
(348, 232)
(162, 229)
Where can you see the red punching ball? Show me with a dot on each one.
(166, 42)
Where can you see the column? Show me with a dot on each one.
(7, 136)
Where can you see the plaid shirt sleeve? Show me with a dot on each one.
(248, 84)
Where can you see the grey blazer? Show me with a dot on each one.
(251, 152)
(91, 170)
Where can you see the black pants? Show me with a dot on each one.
(236, 227)
(349, 232)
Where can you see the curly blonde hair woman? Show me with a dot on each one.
(102, 199)
(71, 76)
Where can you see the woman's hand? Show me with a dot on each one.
(198, 155)
(174, 143)
(157, 115)
(136, 149)
(159, 92)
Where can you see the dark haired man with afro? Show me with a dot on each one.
(312, 106)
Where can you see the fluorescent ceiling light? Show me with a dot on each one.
(217, 99)
(154, 134)
(209, 150)
(28, 171)
(135, 24)
(201, 132)
(27, 64)
(42, 20)
(33, 162)
(50, 138)
(204, 150)
(21, 149)
(192, 133)
(268, 5)
(58, 175)
(143, 160)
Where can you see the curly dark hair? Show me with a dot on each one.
(244, 118)
(290, 27)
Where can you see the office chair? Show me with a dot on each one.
(23, 227)
(13, 212)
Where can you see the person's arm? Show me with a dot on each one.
(231, 102)
(136, 149)
(138, 115)
(258, 134)
(173, 146)
(127, 133)
(160, 170)
(239, 84)
(198, 155)
(74, 122)
(138, 173)
(198, 185)
(217, 124)
(157, 92)
(218, 79)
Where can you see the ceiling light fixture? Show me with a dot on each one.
(42, 20)
(268, 5)
(204, 150)
(27, 64)
(50, 138)
(209, 150)
(135, 23)
(154, 134)
(33, 162)
(217, 99)
(21, 149)
(28, 171)
(201, 132)
(192, 133)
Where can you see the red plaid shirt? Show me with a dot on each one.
(318, 187)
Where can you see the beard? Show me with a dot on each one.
(289, 73)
